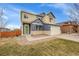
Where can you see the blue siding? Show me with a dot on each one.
(47, 27)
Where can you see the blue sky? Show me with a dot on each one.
(12, 11)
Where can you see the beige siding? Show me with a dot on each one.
(46, 19)
(29, 19)
(32, 17)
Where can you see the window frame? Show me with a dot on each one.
(25, 16)
(39, 27)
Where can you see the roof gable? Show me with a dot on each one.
(38, 22)
(48, 19)
(51, 14)
(44, 18)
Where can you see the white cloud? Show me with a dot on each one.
(13, 9)
(43, 4)
(64, 7)
(17, 10)
(56, 5)
(12, 27)
(60, 5)
(5, 17)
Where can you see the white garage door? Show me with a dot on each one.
(55, 30)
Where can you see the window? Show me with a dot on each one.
(50, 19)
(38, 27)
(25, 16)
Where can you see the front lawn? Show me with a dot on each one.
(55, 47)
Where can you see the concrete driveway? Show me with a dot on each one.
(74, 36)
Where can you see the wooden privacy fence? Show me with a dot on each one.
(10, 33)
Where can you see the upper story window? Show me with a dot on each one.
(25, 16)
(50, 19)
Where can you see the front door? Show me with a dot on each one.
(26, 29)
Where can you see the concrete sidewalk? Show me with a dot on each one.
(39, 38)
(28, 39)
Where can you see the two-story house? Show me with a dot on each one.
(39, 24)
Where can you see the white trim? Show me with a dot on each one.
(37, 23)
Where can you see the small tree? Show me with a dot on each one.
(74, 14)
(3, 21)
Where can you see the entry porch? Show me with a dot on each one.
(36, 29)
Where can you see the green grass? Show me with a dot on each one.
(57, 47)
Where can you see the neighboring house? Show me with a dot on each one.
(69, 27)
(39, 24)
(4, 29)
